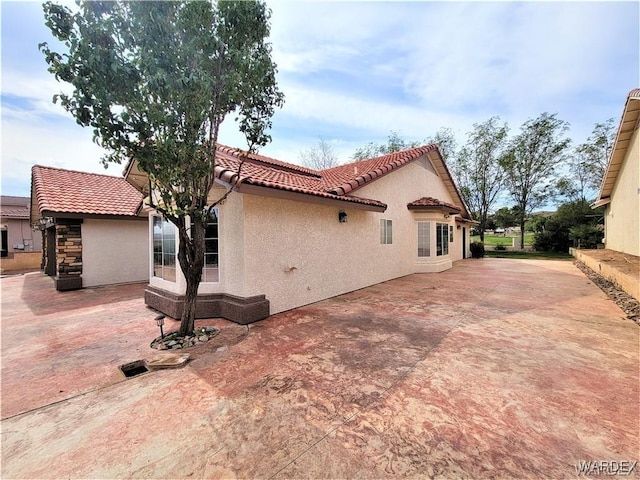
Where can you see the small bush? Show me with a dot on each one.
(501, 247)
(586, 236)
(477, 249)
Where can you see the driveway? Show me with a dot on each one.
(495, 368)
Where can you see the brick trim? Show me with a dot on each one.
(242, 310)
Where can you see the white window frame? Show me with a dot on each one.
(386, 231)
(442, 238)
(163, 267)
(423, 230)
(205, 278)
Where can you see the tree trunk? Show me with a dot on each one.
(189, 309)
(191, 258)
(522, 222)
(482, 226)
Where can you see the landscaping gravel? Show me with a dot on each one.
(629, 305)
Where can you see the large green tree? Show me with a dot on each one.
(531, 162)
(155, 80)
(478, 170)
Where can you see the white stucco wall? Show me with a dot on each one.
(114, 251)
(297, 253)
(231, 247)
(622, 219)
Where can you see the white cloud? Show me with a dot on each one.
(353, 71)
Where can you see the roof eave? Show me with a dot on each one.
(440, 208)
(619, 151)
(308, 197)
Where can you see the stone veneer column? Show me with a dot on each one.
(68, 254)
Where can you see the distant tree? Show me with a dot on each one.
(395, 143)
(505, 217)
(155, 80)
(593, 155)
(320, 156)
(447, 143)
(587, 165)
(478, 170)
(531, 162)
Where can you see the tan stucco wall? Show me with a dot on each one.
(114, 251)
(21, 261)
(298, 253)
(622, 219)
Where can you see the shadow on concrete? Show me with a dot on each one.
(41, 297)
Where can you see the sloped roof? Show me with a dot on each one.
(628, 124)
(346, 178)
(14, 207)
(57, 191)
(337, 183)
(430, 202)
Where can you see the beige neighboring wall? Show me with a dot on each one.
(114, 251)
(298, 253)
(622, 219)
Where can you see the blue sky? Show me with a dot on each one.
(353, 71)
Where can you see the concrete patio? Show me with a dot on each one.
(494, 369)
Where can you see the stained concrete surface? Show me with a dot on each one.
(494, 369)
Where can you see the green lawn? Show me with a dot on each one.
(506, 241)
(528, 255)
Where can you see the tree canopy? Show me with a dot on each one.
(395, 143)
(531, 162)
(478, 170)
(155, 80)
(588, 163)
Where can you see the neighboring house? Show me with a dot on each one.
(95, 228)
(289, 236)
(620, 190)
(20, 245)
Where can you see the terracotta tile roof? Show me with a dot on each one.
(337, 183)
(263, 171)
(346, 178)
(14, 207)
(67, 191)
(427, 202)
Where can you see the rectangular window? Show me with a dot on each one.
(211, 270)
(386, 237)
(424, 239)
(450, 234)
(5, 243)
(442, 239)
(164, 249)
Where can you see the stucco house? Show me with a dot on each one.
(620, 189)
(94, 228)
(20, 246)
(289, 236)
